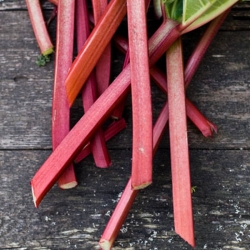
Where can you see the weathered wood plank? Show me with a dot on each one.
(220, 89)
(75, 219)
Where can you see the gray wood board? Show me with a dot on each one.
(75, 219)
(220, 90)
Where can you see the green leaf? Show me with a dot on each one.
(174, 9)
(192, 9)
(215, 10)
(42, 60)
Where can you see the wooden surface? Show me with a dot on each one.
(75, 219)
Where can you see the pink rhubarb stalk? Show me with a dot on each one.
(181, 180)
(124, 204)
(141, 95)
(118, 217)
(89, 92)
(63, 61)
(201, 48)
(39, 27)
(102, 69)
(205, 126)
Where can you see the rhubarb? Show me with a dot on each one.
(80, 134)
(63, 61)
(89, 92)
(39, 27)
(141, 95)
(181, 181)
(122, 209)
(94, 47)
(102, 69)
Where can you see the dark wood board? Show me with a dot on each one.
(75, 219)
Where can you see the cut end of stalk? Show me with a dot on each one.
(144, 185)
(69, 185)
(48, 51)
(188, 237)
(34, 198)
(105, 244)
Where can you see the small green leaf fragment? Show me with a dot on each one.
(42, 60)
(193, 189)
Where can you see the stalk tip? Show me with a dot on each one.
(34, 197)
(105, 244)
(69, 185)
(143, 185)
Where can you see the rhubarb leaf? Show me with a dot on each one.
(174, 9)
(192, 9)
(215, 10)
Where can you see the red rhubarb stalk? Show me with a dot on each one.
(63, 61)
(117, 114)
(118, 217)
(181, 180)
(141, 95)
(89, 92)
(79, 136)
(94, 47)
(205, 126)
(124, 204)
(102, 69)
(113, 129)
(201, 48)
(39, 27)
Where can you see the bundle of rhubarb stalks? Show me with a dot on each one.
(93, 25)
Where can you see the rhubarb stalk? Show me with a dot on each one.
(39, 27)
(141, 95)
(102, 69)
(124, 204)
(181, 180)
(94, 47)
(89, 92)
(60, 106)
